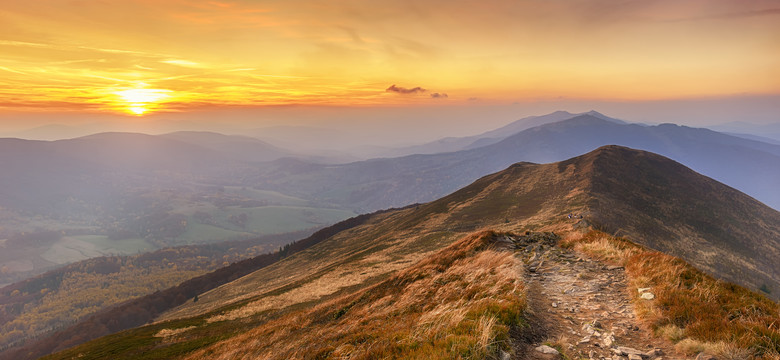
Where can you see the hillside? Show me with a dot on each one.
(682, 213)
(395, 252)
(131, 312)
(58, 298)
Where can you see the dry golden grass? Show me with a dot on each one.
(164, 333)
(458, 303)
(694, 310)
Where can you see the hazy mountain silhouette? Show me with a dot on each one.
(771, 130)
(751, 166)
(235, 147)
(43, 173)
(451, 144)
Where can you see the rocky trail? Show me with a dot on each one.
(581, 307)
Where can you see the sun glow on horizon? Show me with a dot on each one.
(141, 101)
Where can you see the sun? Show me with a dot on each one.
(141, 101)
(137, 109)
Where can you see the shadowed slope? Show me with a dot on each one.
(665, 206)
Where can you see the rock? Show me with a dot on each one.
(544, 349)
(584, 340)
(654, 353)
(634, 357)
(505, 355)
(624, 350)
(608, 340)
(648, 296)
(641, 290)
(612, 267)
(588, 329)
(555, 305)
(705, 356)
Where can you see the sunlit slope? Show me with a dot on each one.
(523, 194)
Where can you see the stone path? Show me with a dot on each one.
(582, 306)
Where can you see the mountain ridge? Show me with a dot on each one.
(751, 166)
(523, 198)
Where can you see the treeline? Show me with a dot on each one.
(140, 311)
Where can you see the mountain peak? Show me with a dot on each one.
(658, 202)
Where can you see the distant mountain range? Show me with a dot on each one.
(452, 144)
(762, 132)
(748, 165)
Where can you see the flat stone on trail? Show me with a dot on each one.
(624, 350)
(654, 353)
(648, 296)
(544, 349)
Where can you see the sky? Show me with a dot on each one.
(277, 62)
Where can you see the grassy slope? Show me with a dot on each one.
(458, 302)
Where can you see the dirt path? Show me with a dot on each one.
(582, 306)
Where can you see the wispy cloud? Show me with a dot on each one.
(183, 63)
(12, 70)
(439, 95)
(89, 48)
(730, 15)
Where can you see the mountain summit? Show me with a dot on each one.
(665, 206)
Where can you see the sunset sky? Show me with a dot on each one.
(144, 57)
